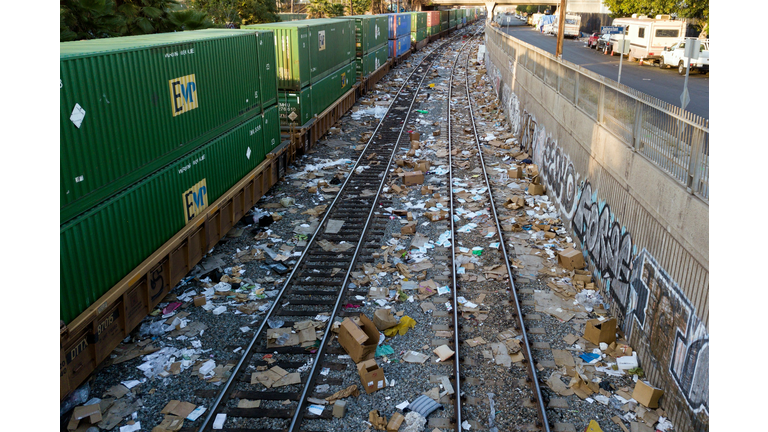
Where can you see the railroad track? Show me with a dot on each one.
(316, 286)
(472, 203)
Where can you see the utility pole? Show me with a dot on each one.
(560, 29)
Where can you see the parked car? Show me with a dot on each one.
(604, 43)
(674, 57)
(592, 41)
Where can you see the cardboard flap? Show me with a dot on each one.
(354, 331)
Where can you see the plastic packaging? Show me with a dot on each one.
(75, 398)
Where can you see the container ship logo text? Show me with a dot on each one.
(195, 200)
(183, 94)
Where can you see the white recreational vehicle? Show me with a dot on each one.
(648, 37)
(571, 27)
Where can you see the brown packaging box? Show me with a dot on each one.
(383, 319)
(535, 187)
(394, 422)
(571, 259)
(515, 172)
(371, 375)
(436, 133)
(409, 228)
(597, 331)
(646, 394)
(359, 342)
(532, 170)
(423, 166)
(414, 136)
(200, 300)
(413, 178)
(582, 276)
(414, 145)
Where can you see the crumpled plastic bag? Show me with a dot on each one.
(383, 350)
(406, 323)
(415, 422)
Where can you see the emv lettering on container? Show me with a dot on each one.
(195, 200)
(183, 94)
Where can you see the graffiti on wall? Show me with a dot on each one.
(657, 306)
(647, 299)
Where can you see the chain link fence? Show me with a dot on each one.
(677, 141)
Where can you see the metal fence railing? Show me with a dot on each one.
(675, 140)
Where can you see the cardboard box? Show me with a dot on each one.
(359, 342)
(423, 166)
(532, 170)
(383, 319)
(414, 136)
(436, 133)
(598, 331)
(394, 422)
(413, 178)
(371, 375)
(535, 189)
(437, 215)
(200, 300)
(516, 172)
(571, 259)
(409, 228)
(339, 408)
(414, 145)
(646, 394)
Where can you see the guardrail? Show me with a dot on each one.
(675, 140)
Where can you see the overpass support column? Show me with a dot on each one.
(489, 7)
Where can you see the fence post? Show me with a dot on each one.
(695, 162)
(576, 89)
(601, 103)
(637, 142)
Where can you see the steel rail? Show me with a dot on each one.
(529, 356)
(246, 354)
(454, 277)
(299, 414)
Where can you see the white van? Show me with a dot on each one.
(648, 37)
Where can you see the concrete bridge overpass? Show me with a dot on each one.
(491, 5)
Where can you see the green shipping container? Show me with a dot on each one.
(452, 24)
(452, 14)
(419, 35)
(308, 50)
(369, 63)
(326, 91)
(102, 246)
(295, 108)
(418, 21)
(271, 128)
(267, 68)
(370, 32)
(431, 31)
(131, 105)
(444, 20)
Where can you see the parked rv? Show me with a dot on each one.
(648, 37)
(571, 27)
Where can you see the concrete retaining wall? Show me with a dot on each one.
(646, 238)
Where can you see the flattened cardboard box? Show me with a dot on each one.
(571, 259)
(394, 422)
(371, 375)
(597, 331)
(359, 342)
(646, 394)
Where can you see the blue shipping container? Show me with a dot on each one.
(400, 45)
(399, 25)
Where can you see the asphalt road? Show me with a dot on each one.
(664, 84)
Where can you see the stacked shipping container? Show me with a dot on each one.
(315, 65)
(418, 26)
(371, 33)
(142, 164)
(433, 23)
(399, 25)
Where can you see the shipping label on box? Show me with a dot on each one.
(371, 375)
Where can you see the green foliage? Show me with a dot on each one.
(235, 13)
(91, 19)
(327, 9)
(360, 7)
(651, 8)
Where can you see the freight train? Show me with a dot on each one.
(167, 140)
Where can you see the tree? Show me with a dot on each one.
(360, 7)
(225, 13)
(91, 19)
(697, 9)
(325, 9)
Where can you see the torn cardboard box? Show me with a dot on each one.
(597, 331)
(413, 178)
(359, 342)
(571, 259)
(646, 394)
